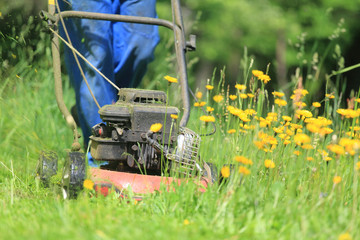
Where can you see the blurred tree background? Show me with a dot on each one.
(313, 36)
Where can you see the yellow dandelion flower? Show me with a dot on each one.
(355, 128)
(244, 170)
(327, 159)
(247, 162)
(278, 94)
(300, 104)
(316, 104)
(259, 144)
(286, 118)
(199, 104)
(336, 179)
(289, 132)
(351, 145)
(250, 95)
(243, 160)
(330, 96)
(325, 131)
(207, 118)
(280, 102)
(342, 111)
(307, 146)
(312, 128)
(297, 152)
(243, 96)
(209, 87)
(225, 171)
(233, 97)
(337, 149)
(250, 111)
(198, 95)
(265, 78)
(249, 127)
(310, 159)
(209, 109)
(304, 113)
(272, 116)
(264, 123)
(278, 129)
(345, 236)
(88, 184)
(186, 222)
(257, 73)
(269, 164)
(302, 92)
(218, 98)
(301, 138)
(240, 87)
(155, 127)
(283, 136)
(171, 79)
(174, 116)
(348, 113)
(323, 153)
(231, 131)
(230, 108)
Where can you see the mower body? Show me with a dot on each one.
(121, 138)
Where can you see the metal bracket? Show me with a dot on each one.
(49, 19)
(191, 44)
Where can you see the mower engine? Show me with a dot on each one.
(126, 144)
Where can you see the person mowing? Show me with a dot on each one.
(121, 51)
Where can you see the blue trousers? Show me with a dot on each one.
(121, 51)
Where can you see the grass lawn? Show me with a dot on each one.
(292, 180)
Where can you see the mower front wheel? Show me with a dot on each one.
(211, 172)
(74, 174)
(47, 167)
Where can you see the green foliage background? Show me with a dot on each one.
(226, 27)
(226, 31)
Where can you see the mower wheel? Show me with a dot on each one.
(47, 166)
(211, 172)
(74, 174)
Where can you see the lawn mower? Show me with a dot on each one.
(138, 160)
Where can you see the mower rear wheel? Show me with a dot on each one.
(74, 174)
(47, 166)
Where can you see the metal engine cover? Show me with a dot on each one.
(122, 136)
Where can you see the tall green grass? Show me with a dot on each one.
(296, 200)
